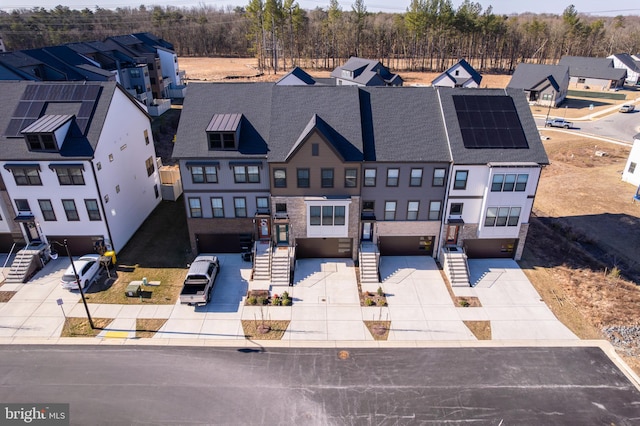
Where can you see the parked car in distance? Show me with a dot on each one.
(627, 108)
(87, 267)
(558, 122)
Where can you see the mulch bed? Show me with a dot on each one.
(5, 296)
(378, 329)
(264, 329)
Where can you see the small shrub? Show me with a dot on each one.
(381, 302)
(368, 302)
(252, 300)
(464, 303)
(262, 300)
(379, 291)
(286, 302)
(285, 294)
(614, 272)
(276, 301)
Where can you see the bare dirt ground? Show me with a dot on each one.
(583, 247)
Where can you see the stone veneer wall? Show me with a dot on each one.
(522, 237)
(297, 212)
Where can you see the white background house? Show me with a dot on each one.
(631, 171)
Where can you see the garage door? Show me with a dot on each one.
(323, 247)
(78, 245)
(407, 246)
(491, 248)
(222, 243)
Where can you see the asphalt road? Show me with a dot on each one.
(211, 385)
(622, 127)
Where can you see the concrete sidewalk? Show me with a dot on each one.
(325, 307)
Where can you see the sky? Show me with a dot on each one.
(593, 7)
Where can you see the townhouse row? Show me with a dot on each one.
(324, 171)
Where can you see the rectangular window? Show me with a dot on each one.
(70, 176)
(146, 137)
(368, 205)
(92, 209)
(149, 165)
(327, 215)
(521, 182)
(392, 177)
(217, 208)
(219, 140)
(27, 176)
(502, 216)
(303, 178)
(246, 174)
(47, 210)
(509, 183)
(70, 210)
(204, 174)
(632, 167)
(315, 149)
(496, 183)
(262, 203)
(412, 210)
(327, 178)
(240, 205)
(456, 209)
(369, 177)
(195, 208)
(434, 210)
(279, 178)
(339, 215)
(314, 215)
(23, 206)
(350, 178)
(41, 142)
(514, 216)
(438, 177)
(416, 177)
(390, 210)
(461, 179)
(281, 207)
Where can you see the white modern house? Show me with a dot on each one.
(631, 171)
(78, 164)
(629, 63)
(462, 74)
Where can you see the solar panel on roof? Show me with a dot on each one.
(489, 122)
(35, 98)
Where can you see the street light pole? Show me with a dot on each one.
(77, 277)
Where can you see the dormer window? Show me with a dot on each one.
(347, 74)
(47, 133)
(220, 140)
(223, 131)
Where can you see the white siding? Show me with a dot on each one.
(634, 157)
(123, 138)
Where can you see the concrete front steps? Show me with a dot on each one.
(456, 268)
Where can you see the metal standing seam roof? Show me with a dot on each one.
(224, 123)
(47, 124)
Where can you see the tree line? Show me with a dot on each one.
(430, 36)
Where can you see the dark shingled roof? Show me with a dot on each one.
(367, 72)
(535, 153)
(301, 75)
(203, 100)
(362, 123)
(77, 145)
(403, 124)
(528, 76)
(475, 75)
(581, 66)
(292, 107)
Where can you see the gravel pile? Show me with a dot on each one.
(625, 337)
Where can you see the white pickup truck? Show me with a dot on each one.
(199, 281)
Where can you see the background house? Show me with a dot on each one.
(78, 163)
(462, 74)
(631, 172)
(593, 73)
(542, 84)
(628, 63)
(365, 72)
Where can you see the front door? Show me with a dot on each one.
(264, 228)
(282, 233)
(367, 231)
(452, 234)
(31, 231)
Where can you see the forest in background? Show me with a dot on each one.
(430, 36)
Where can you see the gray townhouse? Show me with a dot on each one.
(357, 172)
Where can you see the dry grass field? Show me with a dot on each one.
(583, 245)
